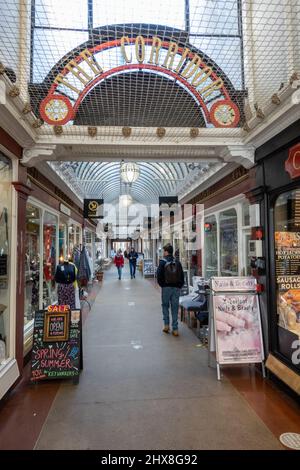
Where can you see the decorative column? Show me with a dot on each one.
(23, 191)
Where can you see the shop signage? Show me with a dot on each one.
(287, 262)
(57, 344)
(93, 209)
(86, 70)
(235, 323)
(64, 209)
(229, 284)
(56, 326)
(292, 164)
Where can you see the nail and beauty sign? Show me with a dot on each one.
(235, 321)
(57, 344)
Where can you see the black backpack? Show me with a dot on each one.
(172, 272)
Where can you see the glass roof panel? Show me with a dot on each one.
(166, 12)
(51, 45)
(214, 17)
(61, 13)
(226, 52)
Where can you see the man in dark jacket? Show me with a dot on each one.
(170, 278)
(132, 256)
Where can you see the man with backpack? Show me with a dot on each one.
(170, 278)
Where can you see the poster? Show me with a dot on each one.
(148, 269)
(287, 263)
(237, 326)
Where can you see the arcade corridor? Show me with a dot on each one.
(142, 389)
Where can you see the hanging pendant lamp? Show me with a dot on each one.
(130, 172)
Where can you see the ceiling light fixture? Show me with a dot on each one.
(130, 172)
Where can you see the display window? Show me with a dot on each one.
(227, 233)
(5, 254)
(74, 242)
(62, 242)
(50, 229)
(210, 246)
(287, 268)
(229, 243)
(89, 243)
(32, 262)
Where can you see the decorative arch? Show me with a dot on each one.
(216, 96)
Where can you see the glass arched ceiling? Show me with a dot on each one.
(102, 179)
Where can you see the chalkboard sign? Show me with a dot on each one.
(57, 344)
(56, 326)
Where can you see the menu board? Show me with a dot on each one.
(287, 265)
(237, 326)
(148, 269)
(57, 344)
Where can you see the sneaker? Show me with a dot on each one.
(166, 329)
(175, 333)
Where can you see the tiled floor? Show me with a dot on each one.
(142, 389)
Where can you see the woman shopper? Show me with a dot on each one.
(119, 262)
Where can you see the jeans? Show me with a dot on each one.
(120, 271)
(170, 296)
(132, 268)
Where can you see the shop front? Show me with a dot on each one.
(9, 370)
(279, 181)
(226, 228)
(51, 235)
(227, 232)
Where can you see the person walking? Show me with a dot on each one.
(170, 278)
(132, 256)
(119, 262)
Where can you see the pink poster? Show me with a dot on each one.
(237, 328)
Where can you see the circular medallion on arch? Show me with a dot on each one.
(56, 109)
(225, 113)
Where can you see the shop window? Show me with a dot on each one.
(5, 237)
(49, 258)
(210, 247)
(246, 214)
(287, 269)
(62, 242)
(74, 243)
(228, 243)
(32, 263)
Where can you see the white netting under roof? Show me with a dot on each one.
(103, 179)
(253, 44)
